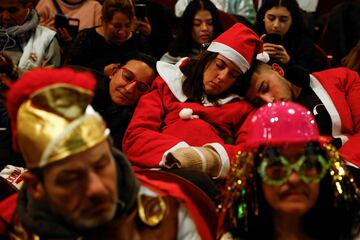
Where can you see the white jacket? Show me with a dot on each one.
(34, 51)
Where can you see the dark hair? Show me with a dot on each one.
(295, 74)
(143, 57)
(297, 25)
(352, 59)
(24, 2)
(38, 173)
(244, 83)
(110, 7)
(326, 220)
(193, 86)
(183, 42)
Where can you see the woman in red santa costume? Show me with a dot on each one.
(191, 117)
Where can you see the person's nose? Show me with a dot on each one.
(95, 186)
(294, 178)
(121, 29)
(130, 87)
(222, 75)
(276, 24)
(5, 15)
(204, 26)
(268, 98)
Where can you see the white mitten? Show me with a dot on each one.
(203, 159)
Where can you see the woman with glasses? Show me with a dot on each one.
(191, 117)
(96, 48)
(116, 96)
(289, 182)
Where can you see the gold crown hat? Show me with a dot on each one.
(51, 115)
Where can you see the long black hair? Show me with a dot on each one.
(183, 42)
(297, 25)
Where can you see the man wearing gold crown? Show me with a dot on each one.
(76, 185)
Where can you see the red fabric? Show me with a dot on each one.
(156, 126)
(172, 185)
(343, 87)
(227, 19)
(7, 207)
(37, 79)
(242, 40)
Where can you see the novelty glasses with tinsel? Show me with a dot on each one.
(276, 169)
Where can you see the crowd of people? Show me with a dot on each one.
(126, 119)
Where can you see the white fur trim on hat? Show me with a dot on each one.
(231, 54)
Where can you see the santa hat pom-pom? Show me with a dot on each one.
(187, 113)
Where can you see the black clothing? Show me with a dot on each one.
(91, 50)
(117, 117)
(300, 77)
(342, 30)
(163, 22)
(302, 51)
(310, 100)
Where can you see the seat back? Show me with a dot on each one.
(202, 202)
(326, 59)
(227, 20)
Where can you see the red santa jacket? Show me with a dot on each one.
(339, 91)
(156, 127)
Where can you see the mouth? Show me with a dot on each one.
(275, 32)
(99, 208)
(293, 194)
(205, 37)
(117, 39)
(121, 37)
(214, 85)
(121, 94)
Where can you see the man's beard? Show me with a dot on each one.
(82, 221)
(7, 24)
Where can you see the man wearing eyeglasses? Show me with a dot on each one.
(117, 96)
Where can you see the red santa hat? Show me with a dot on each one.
(239, 44)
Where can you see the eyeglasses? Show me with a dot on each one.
(276, 169)
(129, 77)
